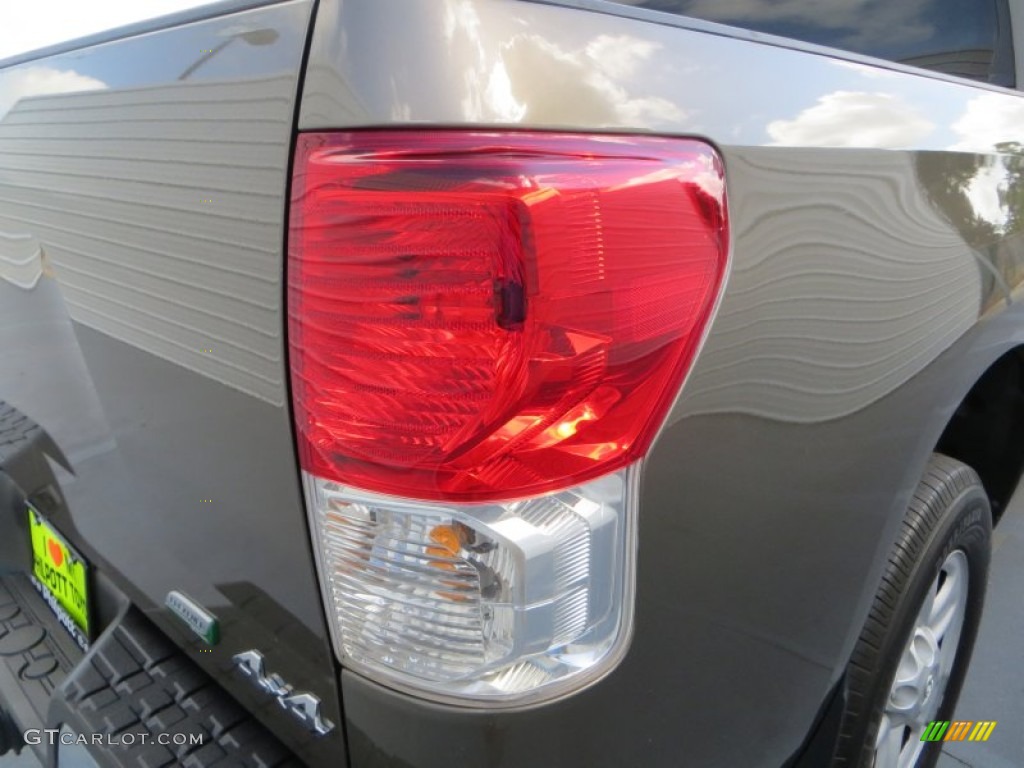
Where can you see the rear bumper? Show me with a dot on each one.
(135, 699)
(33, 661)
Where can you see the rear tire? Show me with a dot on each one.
(909, 664)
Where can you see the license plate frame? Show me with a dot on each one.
(62, 576)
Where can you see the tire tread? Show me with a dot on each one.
(944, 481)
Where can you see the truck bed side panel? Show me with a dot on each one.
(870, 238)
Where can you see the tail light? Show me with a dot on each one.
(486, 331)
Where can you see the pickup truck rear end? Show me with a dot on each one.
(500, 382)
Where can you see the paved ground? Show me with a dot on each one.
(995, 684)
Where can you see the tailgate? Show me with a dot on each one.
(142, 200)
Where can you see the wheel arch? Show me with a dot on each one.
(985, 430)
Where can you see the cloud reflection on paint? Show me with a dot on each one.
(595, 81)
(988, 123)
(853, 119)
(16, 84)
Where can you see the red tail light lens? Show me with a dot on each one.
(487, 316)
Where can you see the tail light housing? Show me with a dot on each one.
(486, 331)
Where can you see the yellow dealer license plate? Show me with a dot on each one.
(62, 577)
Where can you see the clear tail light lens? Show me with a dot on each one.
(486, 331)
(493, 602)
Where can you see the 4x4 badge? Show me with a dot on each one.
(303, 706)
